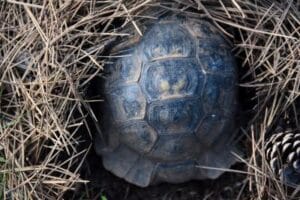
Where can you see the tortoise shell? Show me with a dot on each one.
(171, 104)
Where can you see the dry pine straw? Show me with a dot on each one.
(50, 50)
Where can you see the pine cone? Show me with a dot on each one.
(283, 155)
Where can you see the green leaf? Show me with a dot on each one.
(103, 197)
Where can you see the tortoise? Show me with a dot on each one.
(171, 103)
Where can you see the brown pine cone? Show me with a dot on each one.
(283, 155)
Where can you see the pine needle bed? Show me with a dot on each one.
(51, 50)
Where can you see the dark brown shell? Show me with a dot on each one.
(172, 96)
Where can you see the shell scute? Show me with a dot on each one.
(175, 116)
(127, 102)
(139, 136)
(168, 40)
(172, 78)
